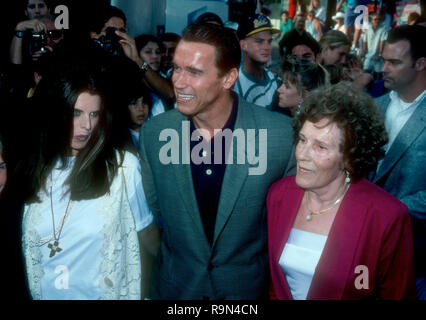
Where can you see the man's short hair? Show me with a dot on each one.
(46, 2)
(209, 17)
(228, 52)
(106, 14)
(334, 39)
(414, 35)
(293, 39)
(170, 37)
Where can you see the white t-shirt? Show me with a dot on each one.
(258, 91)
(100, 252)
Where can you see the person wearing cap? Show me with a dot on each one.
(339, 18)
(255, 83)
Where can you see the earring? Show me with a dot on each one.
(348, 179)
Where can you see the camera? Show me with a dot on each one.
(110, 42)
(38, 42)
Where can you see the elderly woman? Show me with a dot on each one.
(86, 217)
(331, 233)
(299, 78)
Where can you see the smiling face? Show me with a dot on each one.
(258, 47)
(152, 55)
(3, 173)
(138, 112)
(86, 118)
(36, 8)
(197, 84)
(319, 157)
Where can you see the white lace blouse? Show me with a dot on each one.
(100, 257)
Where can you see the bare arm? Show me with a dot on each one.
(155, 82)
(16, 45)
(149, 243)
(317, 26)
(339, 5)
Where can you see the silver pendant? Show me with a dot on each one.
(54, 248)
(308, 217)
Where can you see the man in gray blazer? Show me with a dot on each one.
(402, 172)
(208, 188)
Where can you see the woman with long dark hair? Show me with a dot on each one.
(85, 206)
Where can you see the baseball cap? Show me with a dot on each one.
(255, 24)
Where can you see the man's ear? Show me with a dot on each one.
(230, 78)
(243, 44)
(420, 64)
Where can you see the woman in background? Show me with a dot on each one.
(299, 78)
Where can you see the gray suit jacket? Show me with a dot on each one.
(236, 265)
(403, 171)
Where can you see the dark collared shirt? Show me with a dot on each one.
(208, 178)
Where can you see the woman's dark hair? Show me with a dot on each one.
(96, 165)
(304, 74)
(143, 39)
(335, 71)
(359, 118)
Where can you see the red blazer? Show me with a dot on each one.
(371, 228)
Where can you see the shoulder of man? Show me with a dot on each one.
(267, 119)
(162, 121)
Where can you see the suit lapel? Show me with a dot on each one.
(335, 264)
(235, 174)
(411, 130)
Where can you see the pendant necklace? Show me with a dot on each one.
(314, 213)
(55, 237)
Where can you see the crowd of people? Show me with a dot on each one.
(183, 167)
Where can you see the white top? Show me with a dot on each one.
(320, 13)
(157, 106)
(135, 137)
(100, 257)
(373, 39)
(299, 259)
(257, 91)
(398, 113)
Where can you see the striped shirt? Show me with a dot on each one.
(257, 91)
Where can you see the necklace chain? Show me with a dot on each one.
(315, 213)
(58, 230)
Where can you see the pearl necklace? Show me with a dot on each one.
(315, 213)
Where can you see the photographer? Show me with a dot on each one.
(39, 25)
(119, 43)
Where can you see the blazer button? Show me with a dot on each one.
(210, 267)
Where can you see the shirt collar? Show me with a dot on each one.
(395, 98)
